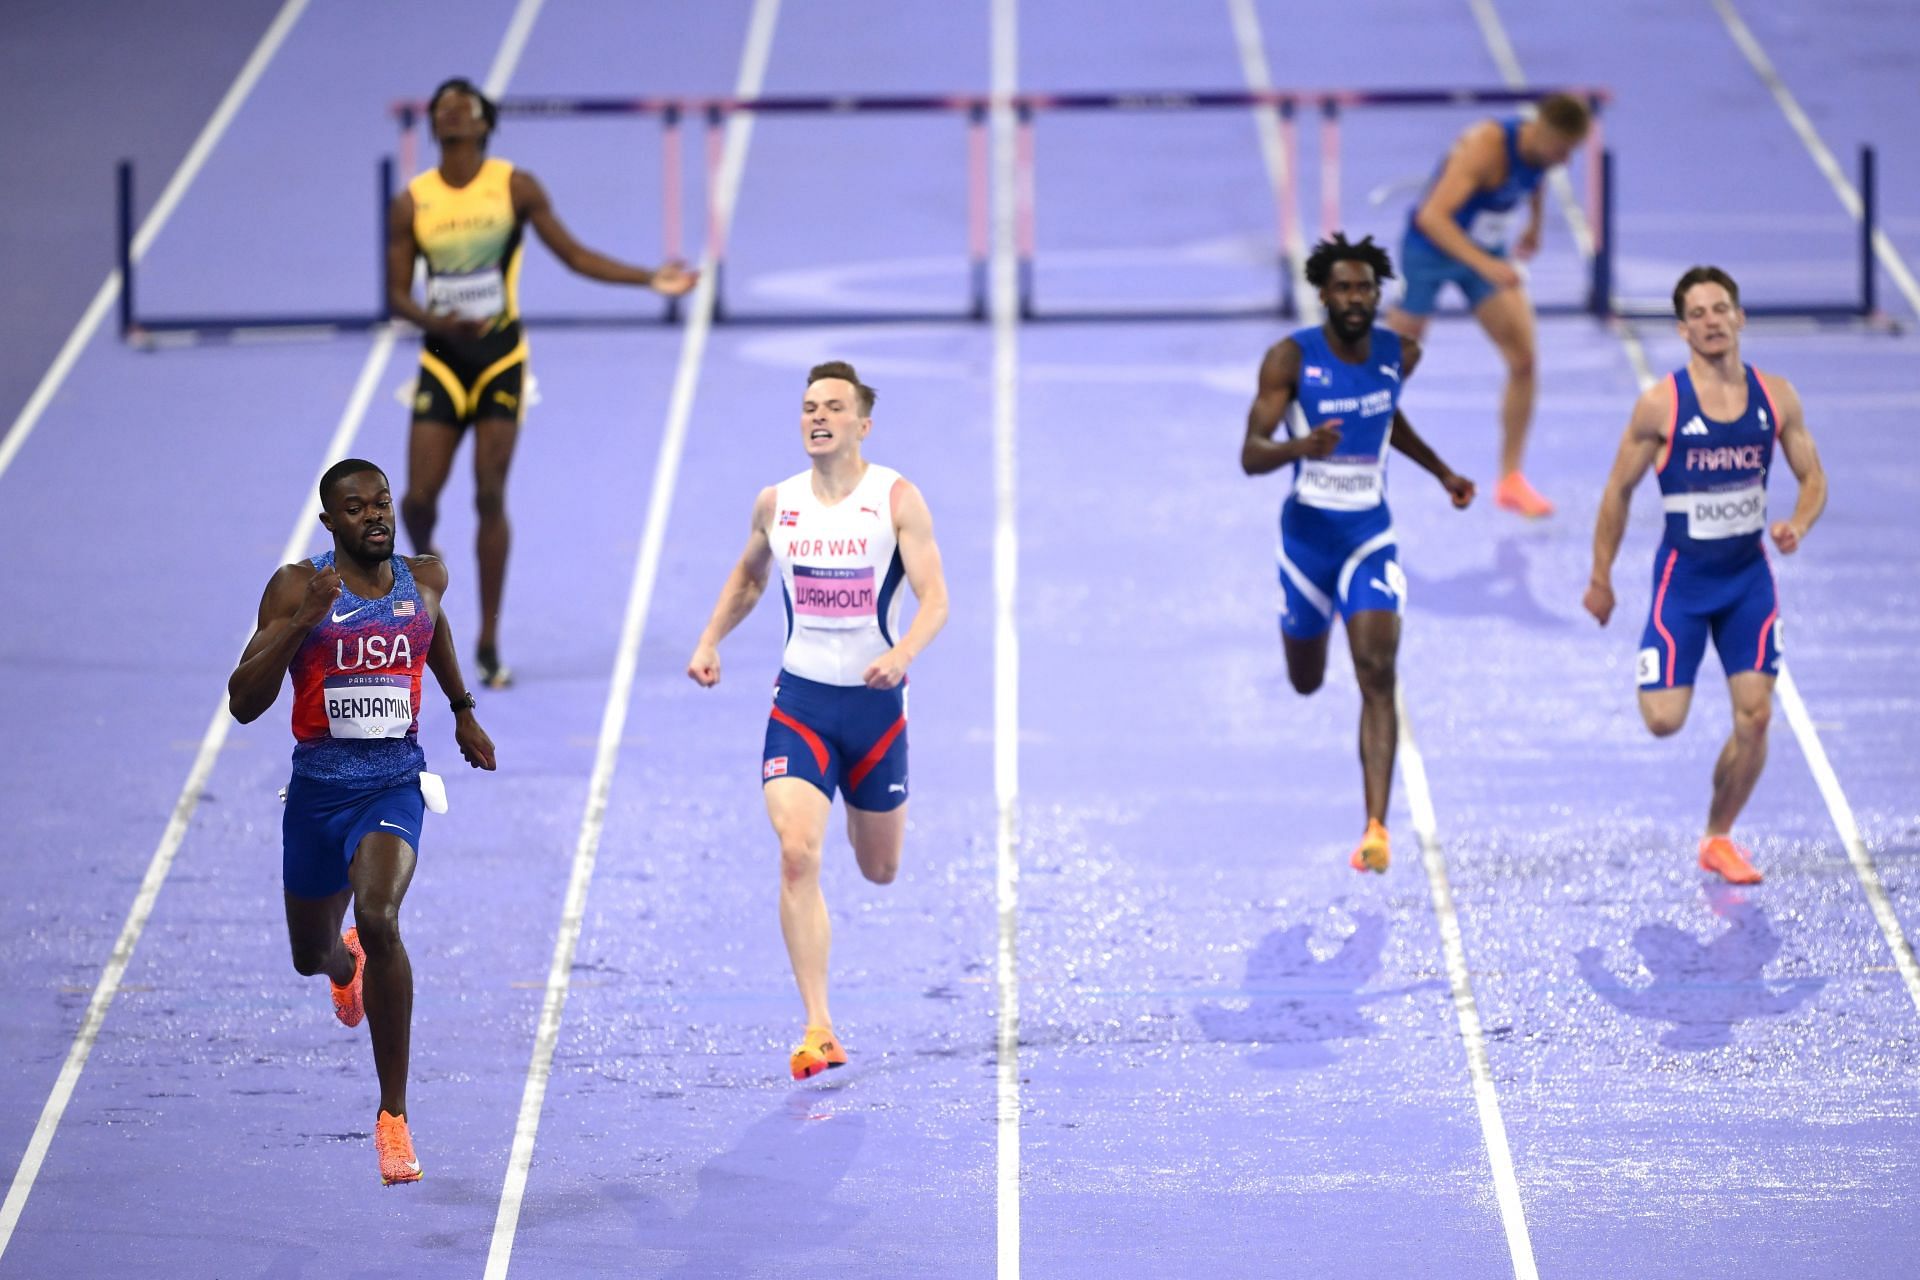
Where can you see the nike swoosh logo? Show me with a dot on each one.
(342, 617)
(414, 1165)
(385, 823)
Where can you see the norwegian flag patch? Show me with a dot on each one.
(773, 768)
(788, 519)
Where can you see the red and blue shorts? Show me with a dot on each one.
(839, 737)
(1694, 598)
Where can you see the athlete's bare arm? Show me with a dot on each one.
(296, 598)
(1279, 383)
(402, 251)
(1645, 436)
(1796, 442)
(430, 575)
(739, 595)
(1478, 162)
(530, 204)
(1527, 243)
(920, 557)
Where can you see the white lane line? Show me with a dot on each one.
(1486, 1099)
(512, 45)
(1883, 248)
(1252, 44)
(1863, 867)
(109, 292)
(1006, 637)
(699, 324)
(183, 810)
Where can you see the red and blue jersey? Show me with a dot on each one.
(356, 686)
(1713, 475)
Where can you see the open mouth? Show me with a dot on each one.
(379, 533)
(819, 434)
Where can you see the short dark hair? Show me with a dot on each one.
(460, 84)
(1702, 275)
(340, 471)
(841, 369)
(1338, 248)
(1564, 113)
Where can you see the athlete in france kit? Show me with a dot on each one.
(1340, 383)
(1709, 431)
(845, 535)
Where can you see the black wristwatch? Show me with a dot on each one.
(465, 702)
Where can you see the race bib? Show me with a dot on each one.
(369, 706)
(1491, 228)
(1726, 513)
(827, 597)
(1339, 486)
(477, 295)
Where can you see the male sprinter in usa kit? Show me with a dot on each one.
(1709, 431)
(355, 628)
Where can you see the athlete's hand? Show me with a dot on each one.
(887, 670)
(1459, 488)
(475, 746)
(1527, 244)
(323, 588)
(672, 278)
(1322, 440)
(1501, 274)
(1599, 601)
(704, 667)
(1786, 537)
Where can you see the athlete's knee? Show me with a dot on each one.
(799, 858)
(419, 505)
(1751, 723)
(379, 927)
(879, 866)
(490, 497)
(1664, 722)
(1520, 360)
(309, 959)
(1307, 681)
(1375, 674)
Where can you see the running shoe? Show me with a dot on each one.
(1373, 854)
(1514, 494)
(395, 1145)
(1720, 855)
(348, 1006)
(817, 1051)
(494, 674)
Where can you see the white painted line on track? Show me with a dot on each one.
(1756, 55)
(1252, 44)
(109, 292)
(1486, 1099)
(1006, 637)
(653, 539)
(211, 742)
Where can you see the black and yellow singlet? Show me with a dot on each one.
(472, 243)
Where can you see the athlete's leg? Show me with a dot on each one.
(877, 838)
(493, 442)
(1306, 660)
(313, 930)
(382, 869)
(798, 811)
(1507, 317)
(1745, 753)
(430, 449)
(1373, 635)
(1407, 324)
(1665, 710)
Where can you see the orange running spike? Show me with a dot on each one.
(1514, 494)
(395, 1145)
(348, 1004)
(1373, 854)
(1728, 860)
(817, 1051)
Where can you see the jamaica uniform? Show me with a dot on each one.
(472, 243)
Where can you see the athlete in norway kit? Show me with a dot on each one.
(1709, 432)
(844, 534)
(1340, 383)
(355, 628)
(465, 218)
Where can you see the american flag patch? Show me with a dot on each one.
(403, 608)
(788, 519)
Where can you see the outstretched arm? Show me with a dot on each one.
(530, 204)
(920, 557)
(1279, 383)
(741, 592)
(296, 598)
(1797, 443)
(1645, 436)
(443, 659)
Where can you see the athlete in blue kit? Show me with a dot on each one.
(1337, 547)
(1709, 431)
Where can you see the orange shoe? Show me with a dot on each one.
(1514, 494)
(1719, 854)
(395, 1145)
(347, 1003)
(1373, 854)
(817, 1051)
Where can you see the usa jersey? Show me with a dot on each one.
(840, 575)
(1487, 216)
(356, 686)
(1713, 475)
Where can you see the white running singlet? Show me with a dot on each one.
(840, 573)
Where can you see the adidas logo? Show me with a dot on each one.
(1694, 427)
